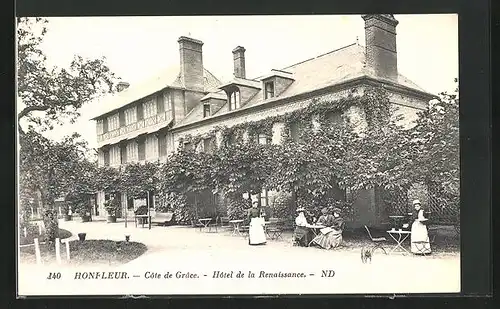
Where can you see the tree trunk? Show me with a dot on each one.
(49, 217)
(49, 210)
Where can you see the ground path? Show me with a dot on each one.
(187, 250)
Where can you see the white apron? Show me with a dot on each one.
(256, 235)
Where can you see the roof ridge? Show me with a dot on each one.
(335, 50)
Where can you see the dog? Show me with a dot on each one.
(367, 253)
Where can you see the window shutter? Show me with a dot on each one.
(140, 112)
(121, 115)
(105, 125)
(160, 104)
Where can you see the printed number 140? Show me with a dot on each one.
(54, 276)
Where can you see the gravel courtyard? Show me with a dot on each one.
(186, 252)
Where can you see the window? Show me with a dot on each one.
(99, 126)
(141, 150)
(162, 145)
(121, 117)
(113, 122)
(263, 139)
(168, 106)
(264, 198)
(130, 115)
(114, 155)
(123, 154)
(132, 151)
(334, 117)
(207, 145)
(294, 131)
(106, 157)
(269, 90)
(149, 109)
(234, 99)
(206, 110)
(151, 147)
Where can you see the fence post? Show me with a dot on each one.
(39, 229)
(25, 232)
(67, 248)
(37, 252)
(58, 251)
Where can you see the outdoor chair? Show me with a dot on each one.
(376, 240)
(224, 222)
(245, 229)
(214, 225)
(275, 229)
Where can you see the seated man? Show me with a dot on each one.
(302, 235)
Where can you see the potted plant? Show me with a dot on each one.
(83, 209)
(112, 207)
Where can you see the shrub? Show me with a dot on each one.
(112, 206)
(237, 207)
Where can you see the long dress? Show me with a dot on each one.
(302, 234)
(419, 236)
(256, 235)
(331, 236)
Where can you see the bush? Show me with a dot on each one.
(183, 211)
(112, 207)
(237, 207)
(282, 205)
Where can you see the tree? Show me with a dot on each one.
(57, 92)
(47, 96)
(49, 168)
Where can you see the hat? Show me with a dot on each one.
(324, 210)
(416, 202)
(337, 210)
(300, 209)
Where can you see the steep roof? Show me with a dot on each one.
(335, 67)
(162, 79)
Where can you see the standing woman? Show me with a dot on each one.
(256, 235)
(419, 236)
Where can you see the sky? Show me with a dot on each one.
(138, 47)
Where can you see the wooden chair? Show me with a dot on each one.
(245, 229)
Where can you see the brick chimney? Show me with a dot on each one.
(381, 53)
(122, 86)
(239, 62)
(191, 57)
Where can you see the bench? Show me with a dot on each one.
(160, 218)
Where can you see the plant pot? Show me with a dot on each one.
(127, 238)
(111, 219)
(85, 218)
(68, 217)
(81, 236)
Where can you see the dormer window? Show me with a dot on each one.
(269, 90)
(206, 110)
(234, 99)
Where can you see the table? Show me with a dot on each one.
(205, 221)
(402, 236)
(315, 229)
(236, 226)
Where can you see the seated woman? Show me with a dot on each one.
(330, 236)
(302, 235)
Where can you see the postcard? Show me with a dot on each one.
(238, 155)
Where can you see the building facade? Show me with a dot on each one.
(147, 122)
